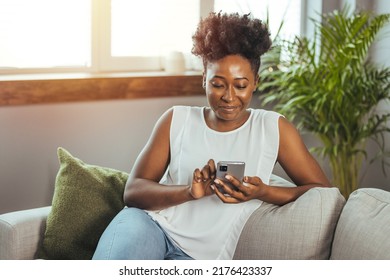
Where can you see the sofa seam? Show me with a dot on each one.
(363, 190)
(322, 219)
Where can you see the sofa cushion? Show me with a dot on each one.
(86, 198)
(364, 226)
(302, 229)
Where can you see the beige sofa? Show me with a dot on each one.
(319, 225)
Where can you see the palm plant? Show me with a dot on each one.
(329, 87)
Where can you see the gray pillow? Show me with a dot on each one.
(302, 229)
(364, 226)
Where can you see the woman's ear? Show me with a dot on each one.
(204, 80)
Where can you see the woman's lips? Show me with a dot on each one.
(228, 109)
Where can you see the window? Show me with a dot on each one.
(40, 34)
(158, 31)
(114, 35)
(140, 36)
(288, 11)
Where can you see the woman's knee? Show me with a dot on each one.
(132, 234)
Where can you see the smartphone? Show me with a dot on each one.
(234, 168)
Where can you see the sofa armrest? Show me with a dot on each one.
(302, 229)
(362, 232)
(21, 232)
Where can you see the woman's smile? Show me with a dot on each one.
(229, 108)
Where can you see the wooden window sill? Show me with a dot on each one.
(40, 89)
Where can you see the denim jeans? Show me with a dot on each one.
(134, 235)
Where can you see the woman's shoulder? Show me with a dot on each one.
(265, 114)
(176, 111)
(184, 112)
(184, 108)
(183, 115)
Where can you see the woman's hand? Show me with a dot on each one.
(203, 181)
(250, 188)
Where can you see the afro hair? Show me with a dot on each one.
(219, 35)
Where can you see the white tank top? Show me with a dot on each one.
(207, 228)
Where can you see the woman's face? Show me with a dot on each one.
(229, 85)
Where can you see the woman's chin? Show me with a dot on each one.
(229, 112)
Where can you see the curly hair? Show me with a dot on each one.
(219, 35)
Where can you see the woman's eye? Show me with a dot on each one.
(241, 87)
(217, 85)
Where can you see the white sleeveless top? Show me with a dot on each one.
(207, 228)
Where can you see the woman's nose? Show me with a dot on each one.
(229, 94)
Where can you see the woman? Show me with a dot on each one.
(176, 207)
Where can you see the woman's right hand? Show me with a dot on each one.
(203, 181)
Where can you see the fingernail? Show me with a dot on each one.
(212, 187)
(228, 177)
(217, 181)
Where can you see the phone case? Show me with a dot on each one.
(234, 168)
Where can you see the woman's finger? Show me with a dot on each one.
(197, 175)
(256, 181)
(213, 169)
(205, 172)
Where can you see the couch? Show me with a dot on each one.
(320, 224)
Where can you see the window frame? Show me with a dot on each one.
(101, 59)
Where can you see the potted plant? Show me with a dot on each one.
(328, 87)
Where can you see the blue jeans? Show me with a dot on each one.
(134, 235)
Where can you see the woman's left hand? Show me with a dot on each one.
(250, 188)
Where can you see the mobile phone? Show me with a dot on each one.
(234, 168)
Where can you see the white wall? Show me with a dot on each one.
(107, 133)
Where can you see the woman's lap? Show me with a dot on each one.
(133, 234)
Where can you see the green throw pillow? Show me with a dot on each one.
(86, 198)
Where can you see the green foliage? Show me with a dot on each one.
(328, 87)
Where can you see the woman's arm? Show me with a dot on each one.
(299, 165)
(143, 189)
(297, 162)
